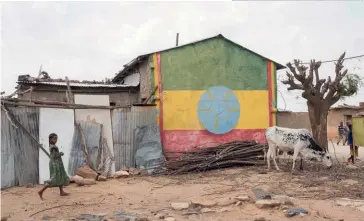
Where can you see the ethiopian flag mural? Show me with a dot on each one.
(213, 91)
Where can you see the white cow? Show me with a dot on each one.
(298, 141)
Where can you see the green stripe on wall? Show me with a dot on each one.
(213, 62)
(276, 90)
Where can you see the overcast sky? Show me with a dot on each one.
(91, 40)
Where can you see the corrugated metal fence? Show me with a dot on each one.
(19, 154)
(124, 123)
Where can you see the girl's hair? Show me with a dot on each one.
(350, 127)
(51, 136)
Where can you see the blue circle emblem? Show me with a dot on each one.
(218, 110)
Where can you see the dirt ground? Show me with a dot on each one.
(314, 189)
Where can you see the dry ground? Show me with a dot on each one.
(314, 189)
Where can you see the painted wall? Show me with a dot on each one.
(358, 130)
(61, 122)
(185, 73)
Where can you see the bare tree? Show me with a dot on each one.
(321, 94)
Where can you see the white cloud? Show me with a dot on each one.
(93, 40)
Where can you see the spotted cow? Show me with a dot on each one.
(298, 141)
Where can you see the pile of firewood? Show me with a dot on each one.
(238, 153)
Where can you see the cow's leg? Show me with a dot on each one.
(301, 160)
(295, 154)
(277, 154)
(268, 155)
(274, 158)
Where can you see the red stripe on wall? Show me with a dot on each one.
(269, 71)
(160, 89)
(186, 140)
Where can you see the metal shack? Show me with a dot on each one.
(208, 91)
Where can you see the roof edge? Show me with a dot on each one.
(139, 58)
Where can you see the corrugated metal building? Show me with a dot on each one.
(123, 93)
(209, 91)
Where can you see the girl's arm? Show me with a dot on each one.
(55, 154)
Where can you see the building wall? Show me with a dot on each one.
(335, 117)
(301, 120)
(144, 71)
(120, 98)
(184, 74)
(293, 120)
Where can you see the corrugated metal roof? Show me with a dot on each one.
(74, 84)
(139, 58)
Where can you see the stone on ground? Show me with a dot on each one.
(180, 205)
(283, 199)
(86, 172)
(259, 193)
(296, 211)
(102, 178)
(121, 173)
(267, 203)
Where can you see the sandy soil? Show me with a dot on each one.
(314, 190)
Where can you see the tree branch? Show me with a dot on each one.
(299, 76)
(291, 83)
(334, 86)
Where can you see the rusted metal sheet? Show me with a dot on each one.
(358, 130)
(87, 85)
(92, 135)
(98, 116)
(19, 153)
(125, 121)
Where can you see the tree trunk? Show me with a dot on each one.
(318, 120)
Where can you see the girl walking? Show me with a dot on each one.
(58, 175)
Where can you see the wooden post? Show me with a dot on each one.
(151, 94)
(177, 37)
(69, 94)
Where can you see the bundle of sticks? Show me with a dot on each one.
(237, 153)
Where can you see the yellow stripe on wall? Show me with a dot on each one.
(274, 95)
(180, 109)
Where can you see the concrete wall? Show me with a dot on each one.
(186, 74)
(293, 120)
(301, 120)
(337, 115)
(120, 97)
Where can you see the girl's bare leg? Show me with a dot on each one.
(40, 193)
(61, 191)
